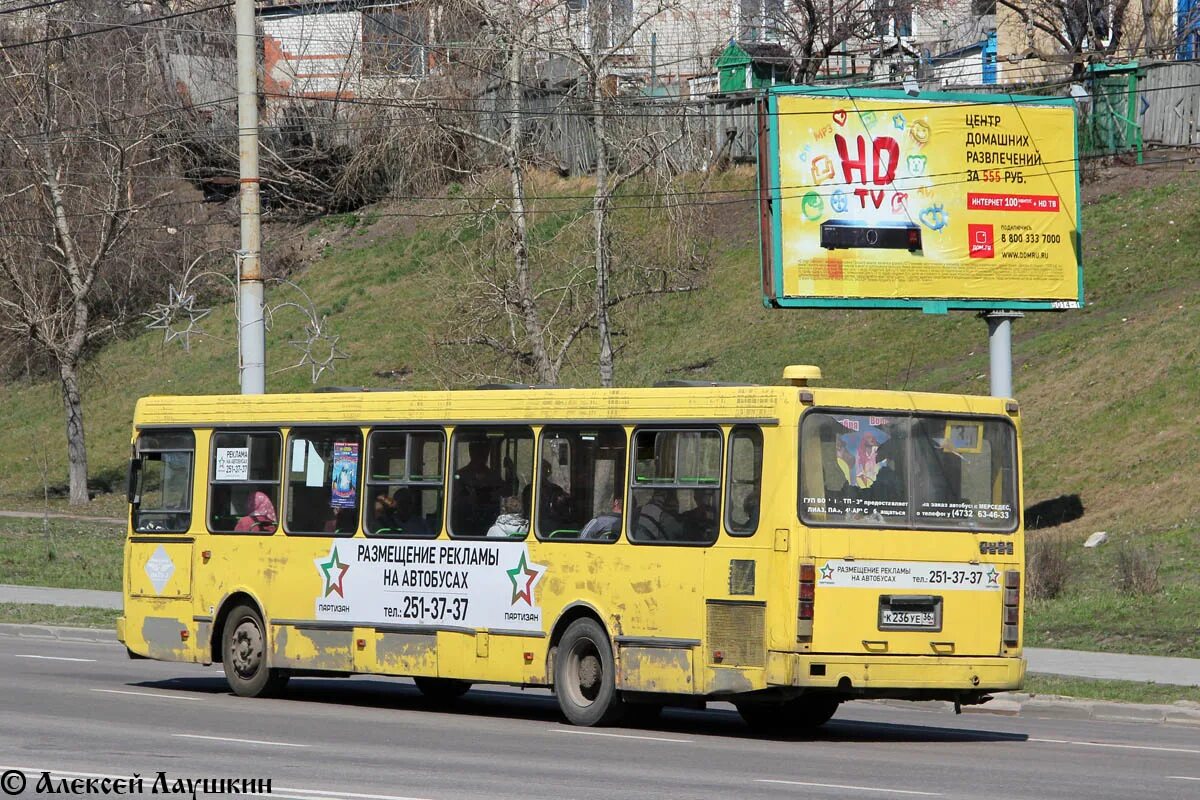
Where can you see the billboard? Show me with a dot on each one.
(879, 199)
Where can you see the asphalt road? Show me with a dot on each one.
(82, 709)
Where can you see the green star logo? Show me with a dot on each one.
(333, 571)
(524, 577)
(826, 573)
(993, 576)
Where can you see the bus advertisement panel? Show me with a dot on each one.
(941, 201)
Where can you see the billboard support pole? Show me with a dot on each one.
(1000, 350)
(251, 327)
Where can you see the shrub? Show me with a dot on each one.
(1047, 566)
(1137, 569)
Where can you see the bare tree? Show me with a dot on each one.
(78, 220)
(630, 139)
(1074, 30)
(813, 30)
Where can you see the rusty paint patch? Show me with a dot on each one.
(204, 641)
(327, 650)
(406, 653)
(643, 587)
(161, 635)
(655, 669)
(728, 681)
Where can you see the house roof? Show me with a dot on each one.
(738, 53)
(959, 52)
(897, 44)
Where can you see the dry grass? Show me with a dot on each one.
(1137, 569)
(1047, 567)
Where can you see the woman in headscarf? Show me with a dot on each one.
(260, 515)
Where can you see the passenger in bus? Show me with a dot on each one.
(658, 520)
(606, 525)
(700, 523)
(511, 522)
(477, 493)
(344, 520)
(554, 503)
(260, 515)
(406, 513)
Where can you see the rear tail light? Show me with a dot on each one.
(1012, 608)
(806, 595)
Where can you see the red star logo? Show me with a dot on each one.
(523, 572)
(333, 571)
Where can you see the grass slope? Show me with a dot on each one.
(1110, 394)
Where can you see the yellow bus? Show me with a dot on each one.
(785, 548)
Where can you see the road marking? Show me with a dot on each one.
(1181, 778)
(621, 735)
(147, 694)
(51, 658)
(1119, 746)
(852, 788)
(239, 741)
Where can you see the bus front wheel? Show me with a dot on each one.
(244, 656)
(585, 676)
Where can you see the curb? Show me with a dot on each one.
(1018, 704)
(58, 632)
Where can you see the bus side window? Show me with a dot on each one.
(322, 484)
(161, 498)
(674, 496)
(581, 483)
(243, 492)
(493, 481)
(743, 494)
(405, 482)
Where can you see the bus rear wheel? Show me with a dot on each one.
(442, 690)
(244, 656)
(803, 714)
(585, 676)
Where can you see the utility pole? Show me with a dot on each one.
(252, 336)
(1000, 350)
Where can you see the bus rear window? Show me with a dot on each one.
(889, 470)
(161, 478)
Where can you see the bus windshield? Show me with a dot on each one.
(893, 470)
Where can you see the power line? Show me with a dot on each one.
(32, 6)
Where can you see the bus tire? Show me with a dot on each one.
(442, 690)
(803, 714)
(244, 655)
(585, 676)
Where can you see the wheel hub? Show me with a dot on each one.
(247, 649)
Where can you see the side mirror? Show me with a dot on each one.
(134, 485)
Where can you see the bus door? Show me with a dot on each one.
(672, 522)
(737, 574)
(913, 530)
(158, 559)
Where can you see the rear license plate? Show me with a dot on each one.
(910, 612)
(908, 618)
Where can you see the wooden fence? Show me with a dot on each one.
(1169, 104)
(686, 135)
